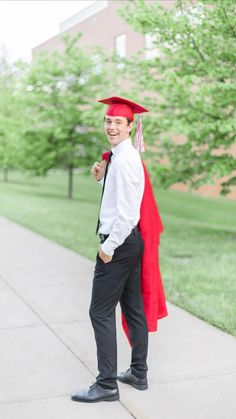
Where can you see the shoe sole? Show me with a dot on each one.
(105, 399)
(137, 386)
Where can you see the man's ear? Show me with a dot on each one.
(130, 126)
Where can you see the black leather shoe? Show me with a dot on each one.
(96, 393)
(128, 378)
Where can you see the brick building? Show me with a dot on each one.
(101, 26)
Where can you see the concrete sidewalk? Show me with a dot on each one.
(47, 349)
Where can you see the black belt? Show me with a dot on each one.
(103, 237)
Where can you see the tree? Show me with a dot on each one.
(192, 80)
(61, 90)
(10, 114)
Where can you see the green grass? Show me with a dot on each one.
(198, 246)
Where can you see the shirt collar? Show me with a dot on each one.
(124, 144)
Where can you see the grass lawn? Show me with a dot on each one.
(198, 246)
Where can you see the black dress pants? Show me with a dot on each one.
(119, 281)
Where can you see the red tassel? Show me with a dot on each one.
(139, 142)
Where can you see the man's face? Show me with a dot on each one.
(117, 129)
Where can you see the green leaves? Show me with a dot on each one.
(190, 88)
(60, 124)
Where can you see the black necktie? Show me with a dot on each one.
(105, 176)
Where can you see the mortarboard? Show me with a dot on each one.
(122, 107)
(117, 106)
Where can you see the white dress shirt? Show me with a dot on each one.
(120, 207)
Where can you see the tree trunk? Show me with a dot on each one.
(5, 174)
(70, 185)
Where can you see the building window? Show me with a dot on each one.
(151, 50)
(121, 45)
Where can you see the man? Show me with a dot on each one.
(118, 264)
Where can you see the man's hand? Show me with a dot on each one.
(105, 258)
(98, 169)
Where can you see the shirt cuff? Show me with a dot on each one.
(107, 248)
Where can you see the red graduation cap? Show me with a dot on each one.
(123, 107)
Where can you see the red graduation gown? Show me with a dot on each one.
(151, 227)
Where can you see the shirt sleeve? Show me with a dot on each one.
(128, 202)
